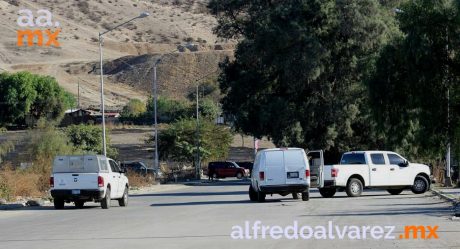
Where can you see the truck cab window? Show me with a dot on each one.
(395, 159)
(377, 159)
(353, 158)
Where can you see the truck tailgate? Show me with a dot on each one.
(75, 180)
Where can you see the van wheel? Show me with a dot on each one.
(58, 203)
(295, 196)
(214, 175)
(252, 194)
(105, 203)
(261, 196)
(306, 195)
(123, 201)
(79, 204)
(354, 187)
(420, 186)
(327, 192)
(395, 191)
(239, 175)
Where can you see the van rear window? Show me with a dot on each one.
(353, 158)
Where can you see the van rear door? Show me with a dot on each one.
(275, 173)
(316, 160)
(295, 166)
(75, 172)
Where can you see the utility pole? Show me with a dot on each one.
(155, 99)
(78, 105)
(198, 162)
(447, 180)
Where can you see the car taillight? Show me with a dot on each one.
(262, 175)
(52, 182)
(100, 181)
(307, 173)
(334, 172)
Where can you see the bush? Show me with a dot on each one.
(88, 138)
(168, 110)
(15, 183)
(138, 181)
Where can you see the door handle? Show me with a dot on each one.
(392, 169)
(374, 169)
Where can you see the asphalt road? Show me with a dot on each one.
(204, 216)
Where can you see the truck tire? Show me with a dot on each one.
(105, 202)
(306, 195)
(354, 187)
(252, 194)
(421, 185)
(260, 196)
(295, 196)
(214, 175)
(58, 203)
(239, 175)
(327, 192)
(123, 201)
(395, 191)
(79, 204)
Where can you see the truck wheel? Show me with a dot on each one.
(354, 187)
(123, 201)
(421, 185)
(295, 196)
(239, 175)
(327, 192)
(306, 195)
(105, 203)
(79, 204)
(58, 203)
(395, 191)
(261, 196)
(252, 194)
(214, 175)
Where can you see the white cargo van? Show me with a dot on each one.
(280, 171)
(80, 179)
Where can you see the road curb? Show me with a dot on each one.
(440, 194)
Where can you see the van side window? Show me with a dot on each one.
(378, 159)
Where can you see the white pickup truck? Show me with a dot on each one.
(371, 169)
(80, 179)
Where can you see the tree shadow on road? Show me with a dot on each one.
(193, 193)
(431, 211)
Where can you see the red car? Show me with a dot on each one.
(226, 169)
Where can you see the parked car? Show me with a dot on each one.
(280, 171)
(246, 165)
(374, 169)
(226, 169)
(137, 167)
(80, 179)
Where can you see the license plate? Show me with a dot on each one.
(293, 174)
(76, 192)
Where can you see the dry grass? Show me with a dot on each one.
(138, 181)
(15, 183)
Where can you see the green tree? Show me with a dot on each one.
(88, 138)
(299, 67)
(134, 108)
(178, 141)
(28, 95)
(168, 110)
(414, 72)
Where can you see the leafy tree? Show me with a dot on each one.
(414, 73)
(88, 138)
(299, 69)
(178, 141)
(24, 94)
(134, 108)
(168, 110)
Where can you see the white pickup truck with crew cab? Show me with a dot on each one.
(371, 169)
(80, 179)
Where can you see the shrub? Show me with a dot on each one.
(88, 138)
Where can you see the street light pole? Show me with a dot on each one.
(155, 99)
(104, 144)
(198, 162)
(104, 141)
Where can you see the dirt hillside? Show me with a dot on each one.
(129, 52)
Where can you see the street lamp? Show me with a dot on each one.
(142, 15)
(155, 98)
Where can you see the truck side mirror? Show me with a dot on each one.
(404, 164)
